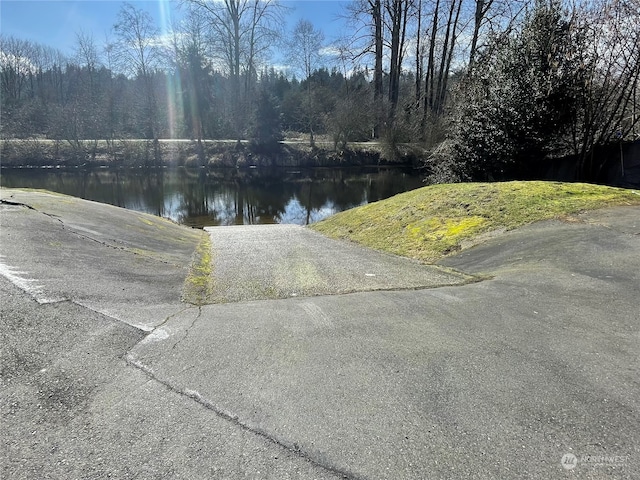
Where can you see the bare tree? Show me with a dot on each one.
(88, 115)
(481, 9)
(491, 17)
(137, 54)
(366, 18)
(430, 85)
(397, 14)
(240, 32)
(304, 52)
(419, 55)
(448, 46)
(376, 13)
(441, 52)
(15, 67)
(382, 26)
(86, 53)
(607, 43)
(263, 32)
(112, 100)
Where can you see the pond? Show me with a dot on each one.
(201, 197)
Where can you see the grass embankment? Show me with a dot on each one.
(431, 222)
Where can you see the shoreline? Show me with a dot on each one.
(43, 153)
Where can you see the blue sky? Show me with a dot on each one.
(55, 22)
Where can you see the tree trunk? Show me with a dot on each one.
(377, 73)
(419, 58)
(397, 14)
(449, 56)
(477, 23)
(430, 76)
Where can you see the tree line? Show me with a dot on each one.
(489, 87)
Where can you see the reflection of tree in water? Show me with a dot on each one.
(322, 191)
(137, 190)
(262, 198)
(201, 197)
(152, 189)
(388, 183)
(228, 197)
(192, 190)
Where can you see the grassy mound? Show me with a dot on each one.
(434, 221)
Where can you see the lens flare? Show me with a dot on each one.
(173, 87)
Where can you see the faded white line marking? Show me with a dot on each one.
(21, 280)
(157, 335)
(114, 315)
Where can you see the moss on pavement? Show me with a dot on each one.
(198, 285)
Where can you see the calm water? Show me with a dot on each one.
(224, 197)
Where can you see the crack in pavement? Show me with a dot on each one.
(85, 236)
(20, 204)
(186, 333)
(170, 317)
(191, 395)
(292, 447)
(116, 247)
(16, 204)
(196, 397)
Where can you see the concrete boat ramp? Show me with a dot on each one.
(304, 357)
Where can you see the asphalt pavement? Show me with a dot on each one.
(262, 262)
(517, 358)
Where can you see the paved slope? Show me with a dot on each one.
(279, 261)
(127, 265)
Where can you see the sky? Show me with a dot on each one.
(56, 22)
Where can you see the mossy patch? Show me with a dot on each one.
(198, 286)
(432, 222)
(146, 221)
(156, 222)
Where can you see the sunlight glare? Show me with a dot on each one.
(174, 99)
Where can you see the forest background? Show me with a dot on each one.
(487, 89)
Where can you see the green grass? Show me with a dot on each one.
(432, 222)
(198, 285)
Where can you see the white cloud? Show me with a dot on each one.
(329, 51)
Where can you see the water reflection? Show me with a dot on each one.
(224, 197)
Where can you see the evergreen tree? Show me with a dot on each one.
(516, 105)
(266, 129)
